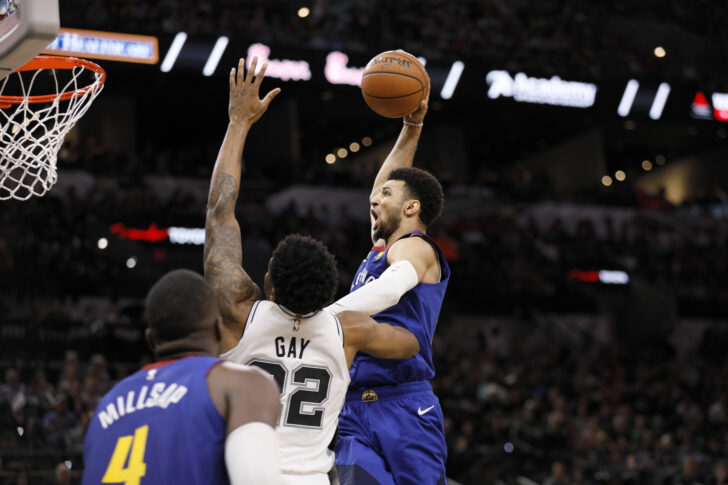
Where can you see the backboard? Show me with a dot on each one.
(26, 28)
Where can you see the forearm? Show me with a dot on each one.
(227, 172)
(401, 155)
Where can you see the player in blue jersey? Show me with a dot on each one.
(391, 428)
(189, 418)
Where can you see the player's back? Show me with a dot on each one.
(306, 357)
(158, 425)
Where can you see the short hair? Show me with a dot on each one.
(180, 303)
(303, 273)
(423, 186)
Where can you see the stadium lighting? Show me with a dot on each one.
(303, 12)
(102, 243)
(660, 51)
(131, 262)
(660, 99)
(366, 141)
(660, 159)
(452, 80)
(620, 175)
(330, 158)
(173, 52)
(646, 165)
(606, 181)
(625, 106)
(215, 56)
(508, 447)
(353, 147)
(342, 152)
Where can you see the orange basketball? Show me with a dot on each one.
(394, 83)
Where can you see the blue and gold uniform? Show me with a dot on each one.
(391, 427)
(157, 426)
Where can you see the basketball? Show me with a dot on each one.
(394, 83)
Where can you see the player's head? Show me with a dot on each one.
(182, 314)
(302, 275)
(408, 194)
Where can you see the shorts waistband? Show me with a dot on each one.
(383, 393)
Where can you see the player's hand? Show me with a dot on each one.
(419, 115)
(245, 107)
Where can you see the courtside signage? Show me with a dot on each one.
(111, 46)
(154, 233)
(283, 69)
(554, 91)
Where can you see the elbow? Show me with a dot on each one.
(412, 348)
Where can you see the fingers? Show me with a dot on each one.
(269, 97)
(232, 77)
(241, 71)
(251, 71)
(261, 74)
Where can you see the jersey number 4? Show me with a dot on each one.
(131, 447)
(294, 413)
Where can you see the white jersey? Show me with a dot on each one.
(306, 357)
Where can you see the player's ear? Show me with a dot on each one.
(150, 339)
(412, 207)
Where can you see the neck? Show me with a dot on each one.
(179, 349)
(402, 230)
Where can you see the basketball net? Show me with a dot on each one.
(34, 125)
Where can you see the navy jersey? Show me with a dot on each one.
(417, 311)
(157, 426)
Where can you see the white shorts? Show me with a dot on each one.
(310, 479)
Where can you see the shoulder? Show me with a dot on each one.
(412, 248)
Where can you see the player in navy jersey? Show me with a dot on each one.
(190, 418)
(391, 427)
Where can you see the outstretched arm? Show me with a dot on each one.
(403, 153)
(223, 252)
(363, 334)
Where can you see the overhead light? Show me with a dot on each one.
(646, 165)
(353, 147)
(660, 51)
(102, 243)
(660, 159)
(131, 262)
(659, 102)
(303, 12)
(366, 141)
(330, 158)
(620, 175)
(452, 80)
(342, 152)
(173, 52)
(606, 181)
(215, 56)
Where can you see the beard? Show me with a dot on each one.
(387, 228)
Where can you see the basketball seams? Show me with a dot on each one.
(393, 97)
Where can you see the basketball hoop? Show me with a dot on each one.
(33, 124)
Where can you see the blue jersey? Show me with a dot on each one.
(158, 426)
(417, 311)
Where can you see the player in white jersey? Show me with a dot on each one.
(308, 351)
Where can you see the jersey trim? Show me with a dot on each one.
(384, 248)
(340, 329)
(295, 315)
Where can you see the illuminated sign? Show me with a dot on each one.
(337, 71)
(175, 235)
(283, 69)
(607, 277)
(701, 108)
(720, 106)
(105, 45)
(554, 91)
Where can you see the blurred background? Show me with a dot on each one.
(582, 148)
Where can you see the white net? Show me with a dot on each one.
(32, 133)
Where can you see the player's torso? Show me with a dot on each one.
(417, 311)
(306, 357)
(158, 425)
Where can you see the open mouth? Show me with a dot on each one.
(375, 219)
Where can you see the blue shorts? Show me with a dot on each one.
(392, 435)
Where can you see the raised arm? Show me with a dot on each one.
(403, 153)
(363, 334)
(223, 252)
